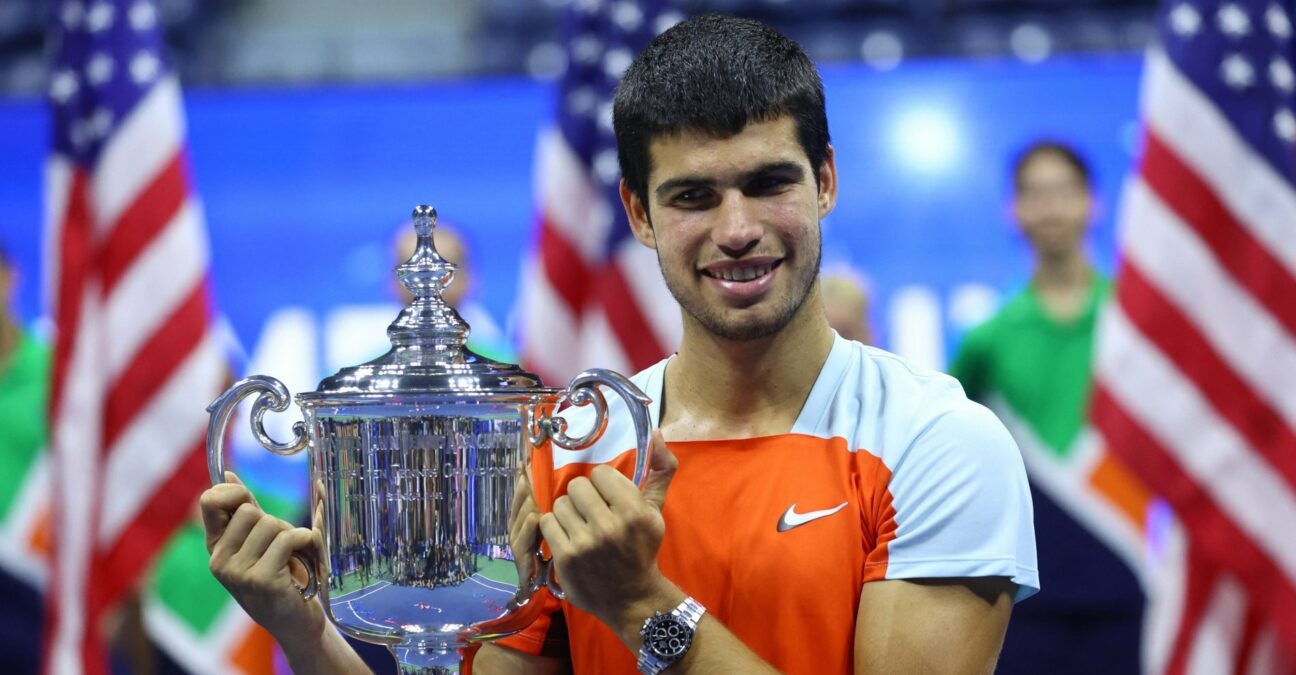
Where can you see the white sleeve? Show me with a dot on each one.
(962, 504)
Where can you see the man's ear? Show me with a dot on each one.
(828, 183)
(637, 214)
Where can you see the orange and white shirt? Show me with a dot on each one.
(889, 472)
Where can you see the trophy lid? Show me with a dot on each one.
(428, 337)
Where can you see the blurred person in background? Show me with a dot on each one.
(846, 301)
(486, 337)
(1031, 363)
(24, 388)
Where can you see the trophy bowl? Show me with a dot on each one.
(415, 457)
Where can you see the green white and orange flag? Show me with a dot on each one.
(1035, 373)
(24, 525)
(1091, 513)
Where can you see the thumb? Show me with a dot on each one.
(661, 469)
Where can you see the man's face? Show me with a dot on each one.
(735, 223)
(1053, 204)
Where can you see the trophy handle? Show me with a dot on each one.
(582, 391)
(272, 395)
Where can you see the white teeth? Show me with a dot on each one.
(743, 273)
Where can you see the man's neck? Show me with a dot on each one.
(1062, 284)
(720, 389)
(1066, 270)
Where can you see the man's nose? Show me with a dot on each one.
(738, 229)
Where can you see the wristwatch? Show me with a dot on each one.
(668, 636)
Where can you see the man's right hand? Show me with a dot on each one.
(252, 556)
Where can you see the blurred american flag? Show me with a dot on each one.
(135, 360)
(1196, 366)
(592, 295)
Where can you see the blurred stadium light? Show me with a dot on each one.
(927, 138)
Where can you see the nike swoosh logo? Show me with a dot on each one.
(793, 519)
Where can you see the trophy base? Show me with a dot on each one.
(421, 658)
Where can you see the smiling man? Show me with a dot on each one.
(814, 505)
(830, 508)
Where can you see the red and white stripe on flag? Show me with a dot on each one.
(135, 360)
(1196, 358)
(580, 309)
(591, 295)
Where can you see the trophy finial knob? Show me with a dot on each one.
(428, 321)
(426, 271)
(424, 217)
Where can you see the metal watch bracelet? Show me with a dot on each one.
(689, 613)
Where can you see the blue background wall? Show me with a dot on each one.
(304, 190)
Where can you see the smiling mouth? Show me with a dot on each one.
(742, 273)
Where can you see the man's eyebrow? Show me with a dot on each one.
(797, 171)
(779, 167)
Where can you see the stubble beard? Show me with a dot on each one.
(744, 328)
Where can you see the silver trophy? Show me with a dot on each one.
(417, 454)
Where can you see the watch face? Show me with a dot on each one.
(668, 637)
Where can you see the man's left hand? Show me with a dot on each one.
(605, 534)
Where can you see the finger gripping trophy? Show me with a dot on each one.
(415, 456)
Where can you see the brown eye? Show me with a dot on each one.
(692, 199)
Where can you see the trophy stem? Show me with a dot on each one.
(408, 669)
(426, 659)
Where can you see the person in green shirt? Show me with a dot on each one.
(1035, 351)
(1031, 362)
(24, 388)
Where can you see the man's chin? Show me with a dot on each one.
(745, 329)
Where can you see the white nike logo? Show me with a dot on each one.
(793, 519)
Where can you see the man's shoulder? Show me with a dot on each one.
(932, 416)
(884, 402)
(904, 386)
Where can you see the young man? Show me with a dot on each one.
(823, 506)
(1031, 362)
